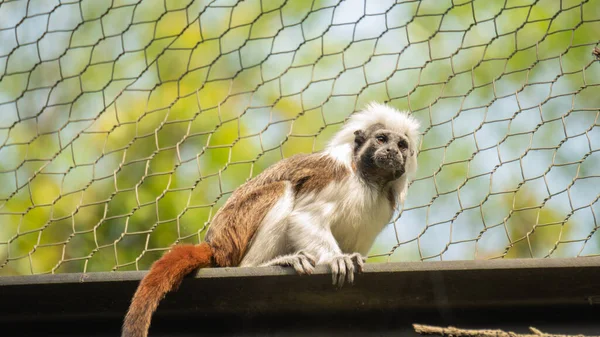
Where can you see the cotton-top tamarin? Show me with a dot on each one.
(306, 210)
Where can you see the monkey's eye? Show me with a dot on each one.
(402, 144)
(381, 139)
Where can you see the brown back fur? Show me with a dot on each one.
(236, 222)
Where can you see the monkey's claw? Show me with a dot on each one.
(302, 262)
(343, 268)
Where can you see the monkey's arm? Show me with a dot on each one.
(310, 232)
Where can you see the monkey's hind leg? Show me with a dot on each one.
(302, 262)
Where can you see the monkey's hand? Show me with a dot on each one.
(343, 267)
(302, 262)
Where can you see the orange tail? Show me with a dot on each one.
(165, 275)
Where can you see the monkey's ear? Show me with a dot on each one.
(359, 138)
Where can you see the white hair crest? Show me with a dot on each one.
(342, 144)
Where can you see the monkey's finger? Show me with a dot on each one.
(350, 267)
(335, 270)
(360, 262)
(311, 259)
(298, 266)
(307, 266)
(342, 274)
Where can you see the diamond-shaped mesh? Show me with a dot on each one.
(124, 125)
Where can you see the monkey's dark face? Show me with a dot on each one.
(380, 154)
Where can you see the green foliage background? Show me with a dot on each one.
(124, 125)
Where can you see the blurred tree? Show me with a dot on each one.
(125, 125)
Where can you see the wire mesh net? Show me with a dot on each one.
(124, 125)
